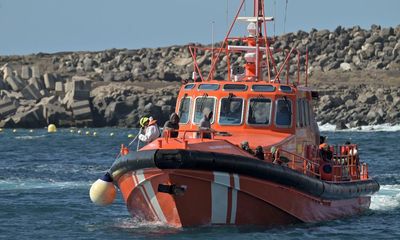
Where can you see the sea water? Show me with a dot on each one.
(45, 180)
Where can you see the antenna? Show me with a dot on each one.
(212, 42)
(284, 23)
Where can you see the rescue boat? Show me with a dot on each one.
(260, 164)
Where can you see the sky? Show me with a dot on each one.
(32, 26)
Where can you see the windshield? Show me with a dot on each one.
(259, 111)
(231, 111)
(283, 113)
(203, 106)
(184, 109)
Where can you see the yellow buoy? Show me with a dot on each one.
(79, 131)
(1, 130)
(71, 131)
(14, 130)
(31, 131)
(131, 136)
(94, 134)
(102, 192)
(111, 134)
(87, 132)
(51, 128)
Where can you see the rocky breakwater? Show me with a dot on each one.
(116, 86)
(355, 106)
(33, 101)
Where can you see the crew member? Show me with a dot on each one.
(205, 123)
(172, 125)
(151, 130)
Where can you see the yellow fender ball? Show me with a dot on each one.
(102, 192)
(51, 128)
(131, 135)
(87, 133)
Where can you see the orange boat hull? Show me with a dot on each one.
(219, 198)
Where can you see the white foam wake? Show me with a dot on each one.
(30, 137)
(372, 128)
(387, 198)
(38, 184)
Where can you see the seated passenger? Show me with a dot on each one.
(245, 146)
(259, 153)
(172, 125)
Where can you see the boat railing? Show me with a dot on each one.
(205, 54)
(301, 164)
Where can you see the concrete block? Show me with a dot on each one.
(15, 83)
(39, 84)
(35, 72)
(59, 87)
(26, 72)
(49, 80)
(81, 110)
(2, 84)
(7, 107)
(31, 92)
(80, 87)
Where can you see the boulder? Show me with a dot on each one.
(345, 67)
(341, 125)
(368, 98)
(37, 82)
(55, 113)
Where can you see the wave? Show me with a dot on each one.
(30, 137)
(386, 127)
(39, 184)
(387, 198)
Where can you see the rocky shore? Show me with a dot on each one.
(356, 71)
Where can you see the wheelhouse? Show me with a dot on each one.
(245, 105)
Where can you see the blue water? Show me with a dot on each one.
(45, 180)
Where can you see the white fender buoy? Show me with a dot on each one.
(131, 136)
(79, 131)
(102, 192)
(51, 128)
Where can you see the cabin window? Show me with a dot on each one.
(285, 89)
(307, 113)
(208, 87)
(299, 113)
(235, 87)
(259, 111)
(283, 117)
(203, 105)
(184, 110)
(263, 88)
(231, 111)
(189, 86)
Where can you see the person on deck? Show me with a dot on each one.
(172, 125)
(205, 123)
(151, 130)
